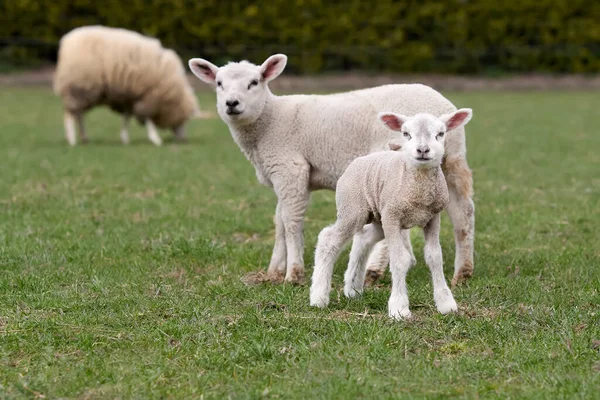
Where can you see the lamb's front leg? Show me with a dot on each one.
(291, 187)
(442, 295)
(399, 265)
(276, 271)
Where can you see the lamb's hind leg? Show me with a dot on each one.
(462, 212)
(363, 242)
(152, 133)
(380, 258)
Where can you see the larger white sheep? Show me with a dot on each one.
(300, 143)
(131, 73)
(384, 194)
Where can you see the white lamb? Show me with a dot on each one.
(391, 191)
(131, 73)
(301, 143)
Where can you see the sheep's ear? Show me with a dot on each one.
(392, 120)
(273, 66)
(204, 70)
(394, 146)
(457, 119)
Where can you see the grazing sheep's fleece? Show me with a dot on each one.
(131, 73)
(391, 191)
(301, 143)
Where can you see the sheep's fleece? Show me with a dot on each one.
(300, 143)
(131, 73)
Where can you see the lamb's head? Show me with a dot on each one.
(242, 87)
(423, 135)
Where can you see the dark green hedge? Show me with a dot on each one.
(453, 36)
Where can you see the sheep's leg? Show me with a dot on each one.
(291, 187)
(462, 212)
(124, 132)
(442, 295)
(80, 127)
(276, 271)
(380, 258)
(179, 132)
(152, 133)
(329, 245)
(363, 242)
(70, 130)
(398, 306)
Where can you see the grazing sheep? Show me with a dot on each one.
(131, 73)
(301, 143)
(391, 191)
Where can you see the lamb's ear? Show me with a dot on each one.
(457, 119)
(273, 66)
(204, 70)
(392, 120)
(394, 146)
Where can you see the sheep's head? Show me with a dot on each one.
(423, 135)
(242, 87)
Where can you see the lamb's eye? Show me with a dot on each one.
(220, 84)
(440, 135)
(253, 83)
(407, 136)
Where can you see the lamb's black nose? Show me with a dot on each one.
(423, 150)
(232, 103)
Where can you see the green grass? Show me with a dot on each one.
(120, 268)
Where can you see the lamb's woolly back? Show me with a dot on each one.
(123, 69)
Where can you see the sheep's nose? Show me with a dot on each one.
(232, 103)
(423, 149)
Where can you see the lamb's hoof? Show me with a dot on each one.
(464, 273)
(401, 314)
(296, 275)
(372, 276)
(447, 307)
(319, 300)
(350, 292)
(276, 277)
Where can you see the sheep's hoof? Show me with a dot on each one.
(351, 292)
(464, 273)
(296, 275)
(373, 275)
(276, 277)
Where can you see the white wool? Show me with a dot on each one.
(391, 192)
(131, 73)
(301, 143)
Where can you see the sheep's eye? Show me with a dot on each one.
(441, 135)
(220, 84)
(407, 136)
(253, 83)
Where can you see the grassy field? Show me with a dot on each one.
(120, 268)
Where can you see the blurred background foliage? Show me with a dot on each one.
(452, 36)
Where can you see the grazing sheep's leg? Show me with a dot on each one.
(276, 271)
(399, 265)
(380, 258)
(82, 135)
(329, 245)
(462, 212)
(363, 242)
(291, 187)
(70, 128)
(442, 295)
(152, 133)
(124, 132)
(179, 132)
